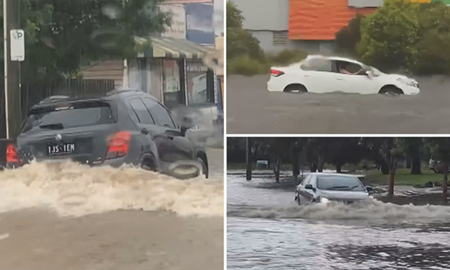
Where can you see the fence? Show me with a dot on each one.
(33, 93)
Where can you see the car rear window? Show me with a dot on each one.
(339, 183)
(62, 117)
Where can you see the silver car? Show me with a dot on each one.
(325, 187)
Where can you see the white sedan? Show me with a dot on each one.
(323, 74)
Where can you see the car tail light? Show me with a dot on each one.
(276, 73)
(118, 145)
(11, 154)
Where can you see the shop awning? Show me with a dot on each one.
(166, 47)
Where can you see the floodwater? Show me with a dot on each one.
(251, 109)
(266, 229)
(70, 216)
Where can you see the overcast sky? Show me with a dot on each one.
(218, 15)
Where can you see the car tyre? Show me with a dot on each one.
(295, 88)
(391, 91)
(205, 170)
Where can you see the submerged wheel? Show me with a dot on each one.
(295, 88)
(149, 165)
(391, 90)
(205, 171)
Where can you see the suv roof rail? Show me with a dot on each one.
(119, 91)
(53, 98)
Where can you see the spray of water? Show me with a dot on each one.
(372, 210)
(72, 189)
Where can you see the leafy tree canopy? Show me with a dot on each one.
(62, 36)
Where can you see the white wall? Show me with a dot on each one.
(264, 14)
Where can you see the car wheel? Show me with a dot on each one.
(295, 88)
(391, 91)
(298, 200)
(205, 170)
(149, 165)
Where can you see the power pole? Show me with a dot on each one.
(248, 158)
(13, 110)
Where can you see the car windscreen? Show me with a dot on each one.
(70, 116)
(339, 183)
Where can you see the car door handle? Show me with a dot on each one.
(339, 79)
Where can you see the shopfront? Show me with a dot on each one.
(174, 73)
(200, 84)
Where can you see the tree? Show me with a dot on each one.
(440, 149)
(239, 41)
(389, 150)
(434, 37)
(340, 151)
(414, 150)
(348, 37)
(62, 36)
(389, 35)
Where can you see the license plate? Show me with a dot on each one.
(62, 148)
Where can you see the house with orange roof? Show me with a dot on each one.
(309, 25)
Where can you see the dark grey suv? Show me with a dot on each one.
(123, 127)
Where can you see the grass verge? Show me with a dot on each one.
(402, 177)
(244, 65)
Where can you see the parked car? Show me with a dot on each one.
(326, 187)
(322, 74)
(123, 127)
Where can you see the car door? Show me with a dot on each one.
(354, 83)
(144, 120)
(174, 145)
(307, 195)
(319, 76)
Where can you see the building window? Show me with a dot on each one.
(280, 37)
(172, 83)
(200, 90)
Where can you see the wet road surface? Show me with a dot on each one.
(69, 216)
(267, 230)
(251, 109)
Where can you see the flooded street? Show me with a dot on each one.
(268, 230)
(70, 216)
(252, 109)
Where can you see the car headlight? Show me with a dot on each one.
(409, 82)
(324, 200)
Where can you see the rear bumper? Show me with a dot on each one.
(273, 86)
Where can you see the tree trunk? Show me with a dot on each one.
(277, 171)
(445, 182)
(313, 167)
(384, 168)
(391, 183)
(295, 166)
(248, 159)
(320, 165)
(338, 168)
(415, 166)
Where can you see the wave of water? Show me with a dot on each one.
(72, 189)
(368, 211)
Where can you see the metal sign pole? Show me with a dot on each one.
(5, 62)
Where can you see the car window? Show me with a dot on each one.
(69, 117)
(307, 180)
(332, 182)
(159, 113)
(350, 67)
(323, 65)
(141, 111)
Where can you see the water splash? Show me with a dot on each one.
(72, 189)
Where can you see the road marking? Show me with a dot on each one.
(4, 236)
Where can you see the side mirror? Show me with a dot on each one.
(186, 124)
(310, 187)
(369, 190)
